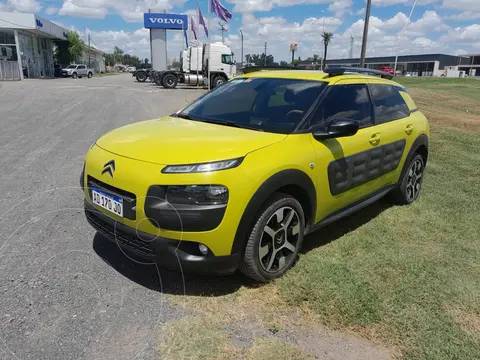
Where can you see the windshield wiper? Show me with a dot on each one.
(184, 116)
(231, 123)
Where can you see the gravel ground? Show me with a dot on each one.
(59, 298)
(65, 292)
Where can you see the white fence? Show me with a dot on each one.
(9, 70)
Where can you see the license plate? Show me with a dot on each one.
(107, 201)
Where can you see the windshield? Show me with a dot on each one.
(265, 104)
(71, 66)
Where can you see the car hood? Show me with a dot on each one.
(172, 140)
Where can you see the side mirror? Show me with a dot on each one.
(337, 128)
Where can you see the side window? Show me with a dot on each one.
(345, 101)
(81, 67)
(227, 59)
(388, 103)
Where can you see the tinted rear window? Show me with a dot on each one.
(388, 103)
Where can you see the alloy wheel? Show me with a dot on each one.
(278, 243)
(414, 181)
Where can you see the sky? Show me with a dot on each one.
(436, 26)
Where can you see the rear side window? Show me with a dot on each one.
(389, 105)
(345, 101)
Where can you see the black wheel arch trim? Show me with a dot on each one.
(421, 140)
(290, 177)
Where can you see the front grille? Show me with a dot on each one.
(129, 242)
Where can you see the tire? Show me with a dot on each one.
(89, 75)
(74, 75)
(271, 236)
(217, 81)
(156, 79)
(409, 186)
(141, 76)
(170, 81)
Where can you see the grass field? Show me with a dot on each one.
(407, 278)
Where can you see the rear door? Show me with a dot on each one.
(394, 126)
(346, 168)
(82, 70)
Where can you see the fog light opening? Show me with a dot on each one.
(203, 249)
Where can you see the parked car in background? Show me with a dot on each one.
(77, 71)
(388, 69)
(131, 69)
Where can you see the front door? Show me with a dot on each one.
(347, 168)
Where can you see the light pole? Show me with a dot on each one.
(265, 54)
(365, 34)
(241, 33)
(401, 38)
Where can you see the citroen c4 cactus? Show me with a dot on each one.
(238, 178)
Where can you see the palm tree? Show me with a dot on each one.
(327, 38)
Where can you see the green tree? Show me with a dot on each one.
(118, 52)
(109, 59)
(327, 38)
(146, 63)
(66, 52)
(76, 46)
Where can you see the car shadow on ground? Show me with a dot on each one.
(176, 283)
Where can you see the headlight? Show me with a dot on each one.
(197, 195)
(205, 167)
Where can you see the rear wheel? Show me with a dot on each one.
(275, 240)
(410, 185)
(141, 76)
(89, 75)
(170, 81)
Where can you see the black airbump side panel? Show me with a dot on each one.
(352, 171)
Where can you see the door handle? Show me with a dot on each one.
(375, 139)
(409, 129)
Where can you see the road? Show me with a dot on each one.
(65, 292)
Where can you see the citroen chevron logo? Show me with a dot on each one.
(109, 168)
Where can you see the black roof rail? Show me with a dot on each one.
(250, 69)
(340, 70)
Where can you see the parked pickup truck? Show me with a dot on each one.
(77, 70)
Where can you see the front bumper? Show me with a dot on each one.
(173, 254)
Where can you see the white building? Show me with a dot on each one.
(93, 58)
(26, 46)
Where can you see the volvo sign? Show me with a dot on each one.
(165, 21)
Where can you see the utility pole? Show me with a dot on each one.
(365, 34)
(265, 53)
(89, 51)
(351, 46)
(223, 29)
(241, 33)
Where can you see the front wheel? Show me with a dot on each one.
(409, 186)
(74, 75)
(217, 81)
(275, 239)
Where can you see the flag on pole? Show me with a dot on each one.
(202, 21)
(220, 10)
(194, 27)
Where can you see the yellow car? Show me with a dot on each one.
(238, 178)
